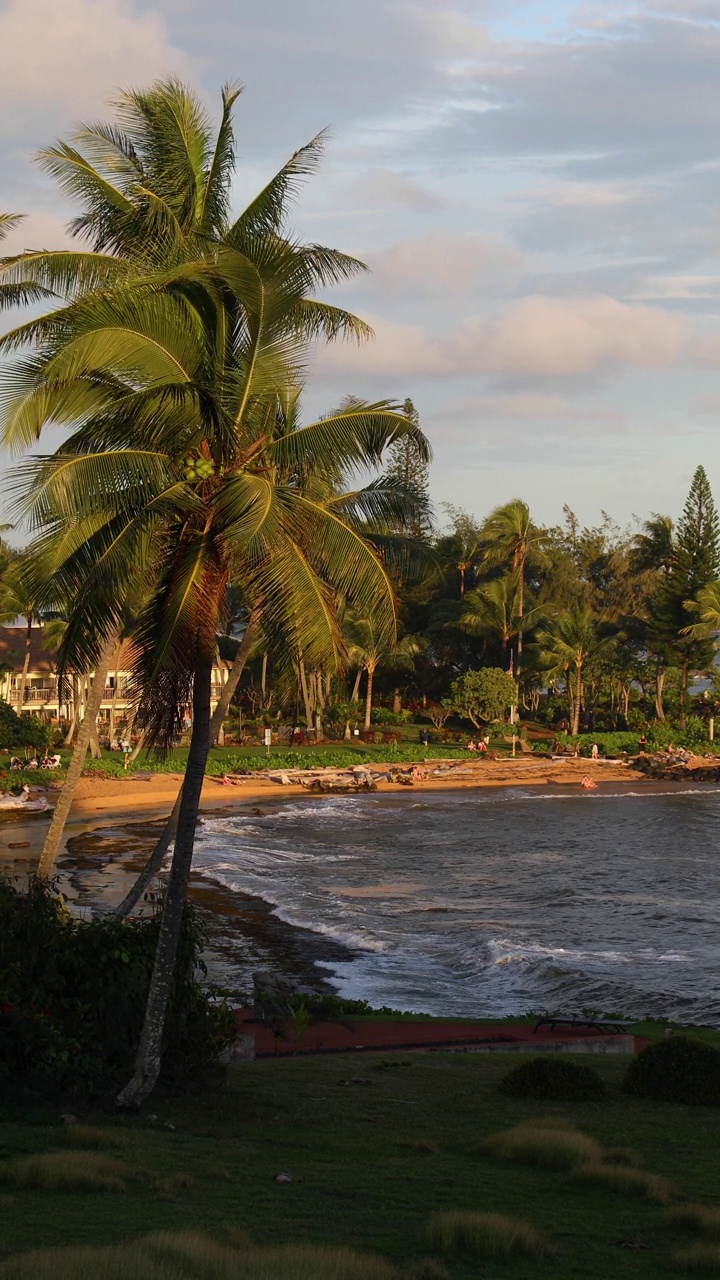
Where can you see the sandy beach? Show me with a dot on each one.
(118, 801)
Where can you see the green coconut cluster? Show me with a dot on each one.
(198, 468)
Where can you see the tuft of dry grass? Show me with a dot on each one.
(695, 1217)
(630, 1182)
(426, 1269)
(621, 1155)
(699, 1257)
(186, 1256)
(222, 1174)
(553, 1148)
(64, 1171)
(175, 1182)
(485, 1235)
(89, 1137)
(425, 1146)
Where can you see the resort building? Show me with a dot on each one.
(39, 694)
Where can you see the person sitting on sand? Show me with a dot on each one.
(471, 746)
(587, 784)
(482, 747)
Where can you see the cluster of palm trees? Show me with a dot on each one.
(171, 346)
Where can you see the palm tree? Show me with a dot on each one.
(509, 539)
(175, 472)
(370, 646)
(494, 609)
(18, 599)
(567, 643)
(706, 606)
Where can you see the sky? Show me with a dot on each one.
(533, 184)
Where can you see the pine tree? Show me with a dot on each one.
(695, 564)
(697, 545)
(406, 464)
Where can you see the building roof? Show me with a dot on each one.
(12, 650)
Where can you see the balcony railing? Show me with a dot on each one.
(34, 693)
(110, 692)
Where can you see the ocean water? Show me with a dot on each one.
(496, 902)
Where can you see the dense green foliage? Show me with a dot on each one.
(483, 695)
(72, 995)
(553, 1080)
(679, 1069)
(22, 731)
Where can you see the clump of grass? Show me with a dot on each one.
(485, 1235)
(222, 1174)
(621, 1155)
(425, 1146)
(695, 1217)
(630, 1182)
(175, 1182)
(64, 1171)
(161, 1256)
(88, 1136)
(426, 1269)
(699, 1257)
(553, 1148)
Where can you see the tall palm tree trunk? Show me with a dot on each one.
(305, 694)
(149, 1055)
(578, 700)
(77, 761)
(369, 696)
(26, 665)
(155, 861)
(356, 687)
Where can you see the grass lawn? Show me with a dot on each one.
(370, 1163)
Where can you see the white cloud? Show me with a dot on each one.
(454, 265)
(67, 56)
(535, 337)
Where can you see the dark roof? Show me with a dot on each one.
(12, 649)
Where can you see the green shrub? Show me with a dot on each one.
(679, 1069)
(553, 1079)
(485, 1235)
(72, 998)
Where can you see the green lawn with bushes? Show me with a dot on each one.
(394, 1156)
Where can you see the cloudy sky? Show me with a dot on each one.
(533, 183)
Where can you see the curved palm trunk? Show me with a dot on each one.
(356, 687)
(659, 689)
(578, 699)
(149, 1055)
(75, 768)
(155, 861)
(26, 665)
(369, 694)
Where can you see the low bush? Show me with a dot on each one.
(701, 1258)
(553, 1079)
(630, 1182)
(678, 1069)
(485, 1235)
(695, 1217)
(553, 1148)
(72, 999)
(64, 1171)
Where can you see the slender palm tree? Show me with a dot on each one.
(370, 646)
(18, 599)
(508, 538)
(706, 607)
(567, 643)
(169, 369)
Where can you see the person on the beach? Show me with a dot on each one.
(642, 744)
(471, 746)
(482, 747)
(425, 737)
(594, 751)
